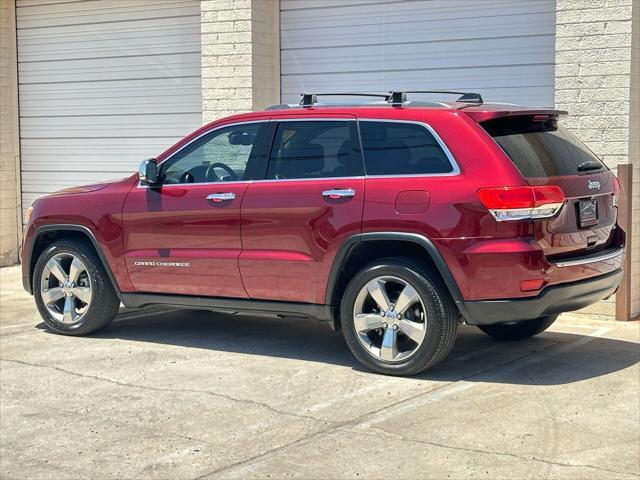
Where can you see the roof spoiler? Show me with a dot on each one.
(482, 115)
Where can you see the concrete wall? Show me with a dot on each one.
(634, 154)
(10, 218)
(597, 82)
(240, 56)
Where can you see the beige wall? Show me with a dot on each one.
(634, 154)
(10, 221)
(596, 83)
(240, 56)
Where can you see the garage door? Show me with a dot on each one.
(103, 84)
(501, 48)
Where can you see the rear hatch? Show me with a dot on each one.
(547, 154)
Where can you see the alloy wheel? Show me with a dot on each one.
(390, 318)
(65, 288)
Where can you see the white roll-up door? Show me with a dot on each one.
(103, 84)
(502, 48)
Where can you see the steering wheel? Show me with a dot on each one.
(211, 174)
(186, 177)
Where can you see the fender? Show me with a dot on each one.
(350, 243)
(27, 280)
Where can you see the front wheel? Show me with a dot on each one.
(518, 330)
(72, 290)
(397, 317)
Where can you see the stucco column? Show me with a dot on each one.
(597, 81)
(10, 193)
(240, 56)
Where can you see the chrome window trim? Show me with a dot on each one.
(448, 154)
(443, 146)
(237, 182)
(319, 119)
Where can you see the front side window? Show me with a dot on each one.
(224, 155)
(314, 149)
(394, 148)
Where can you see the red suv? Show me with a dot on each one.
(394, 220)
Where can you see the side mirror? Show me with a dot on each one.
(148, 172)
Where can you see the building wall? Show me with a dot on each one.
(634, 154)
(240, 56)
(10, 218)
(597, 82)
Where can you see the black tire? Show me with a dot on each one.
(441, 315)
(518, 330)
(104, 301)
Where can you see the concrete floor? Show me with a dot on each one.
(188, 394)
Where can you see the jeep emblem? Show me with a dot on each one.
(593, 185)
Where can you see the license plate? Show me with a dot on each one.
(588, 213)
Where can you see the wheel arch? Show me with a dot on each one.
(344, 263)
(47, 234)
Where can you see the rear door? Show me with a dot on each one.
(294, 221)
(548, 154)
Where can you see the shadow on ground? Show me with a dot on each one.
(568, 357)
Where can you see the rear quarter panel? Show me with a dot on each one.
(454, 219)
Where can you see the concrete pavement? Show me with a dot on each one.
(193, 394)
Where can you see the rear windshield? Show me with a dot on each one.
(542, 148)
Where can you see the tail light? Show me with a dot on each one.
(616, 190)
(522, 202)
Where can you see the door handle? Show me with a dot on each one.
(221, 197)
(339, 193)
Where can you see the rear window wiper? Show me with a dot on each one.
(589, 165)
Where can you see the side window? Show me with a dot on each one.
(315, 150)
(224, 155)
(401, 149)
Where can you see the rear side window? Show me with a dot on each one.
(315, 149)
(394, 148)
(542, 148)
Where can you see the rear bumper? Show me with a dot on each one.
(552, 300)
(492, 268)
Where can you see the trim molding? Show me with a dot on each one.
(232, 305)
(350, 243)
(28, 251)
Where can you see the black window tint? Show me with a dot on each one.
(542, 148)
(401, 149)
(225, 154)
(314, 150)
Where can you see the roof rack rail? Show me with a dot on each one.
(394, 97)
(310, 99)
(399, 97)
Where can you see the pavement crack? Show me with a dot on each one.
(172, 390)
(361, 419)
(407, 439)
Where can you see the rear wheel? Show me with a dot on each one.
(73, 292)
(518, 330)
(397, 317)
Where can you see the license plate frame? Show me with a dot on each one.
(587, 213)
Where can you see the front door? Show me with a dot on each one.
(294, 222)
(183, 237)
